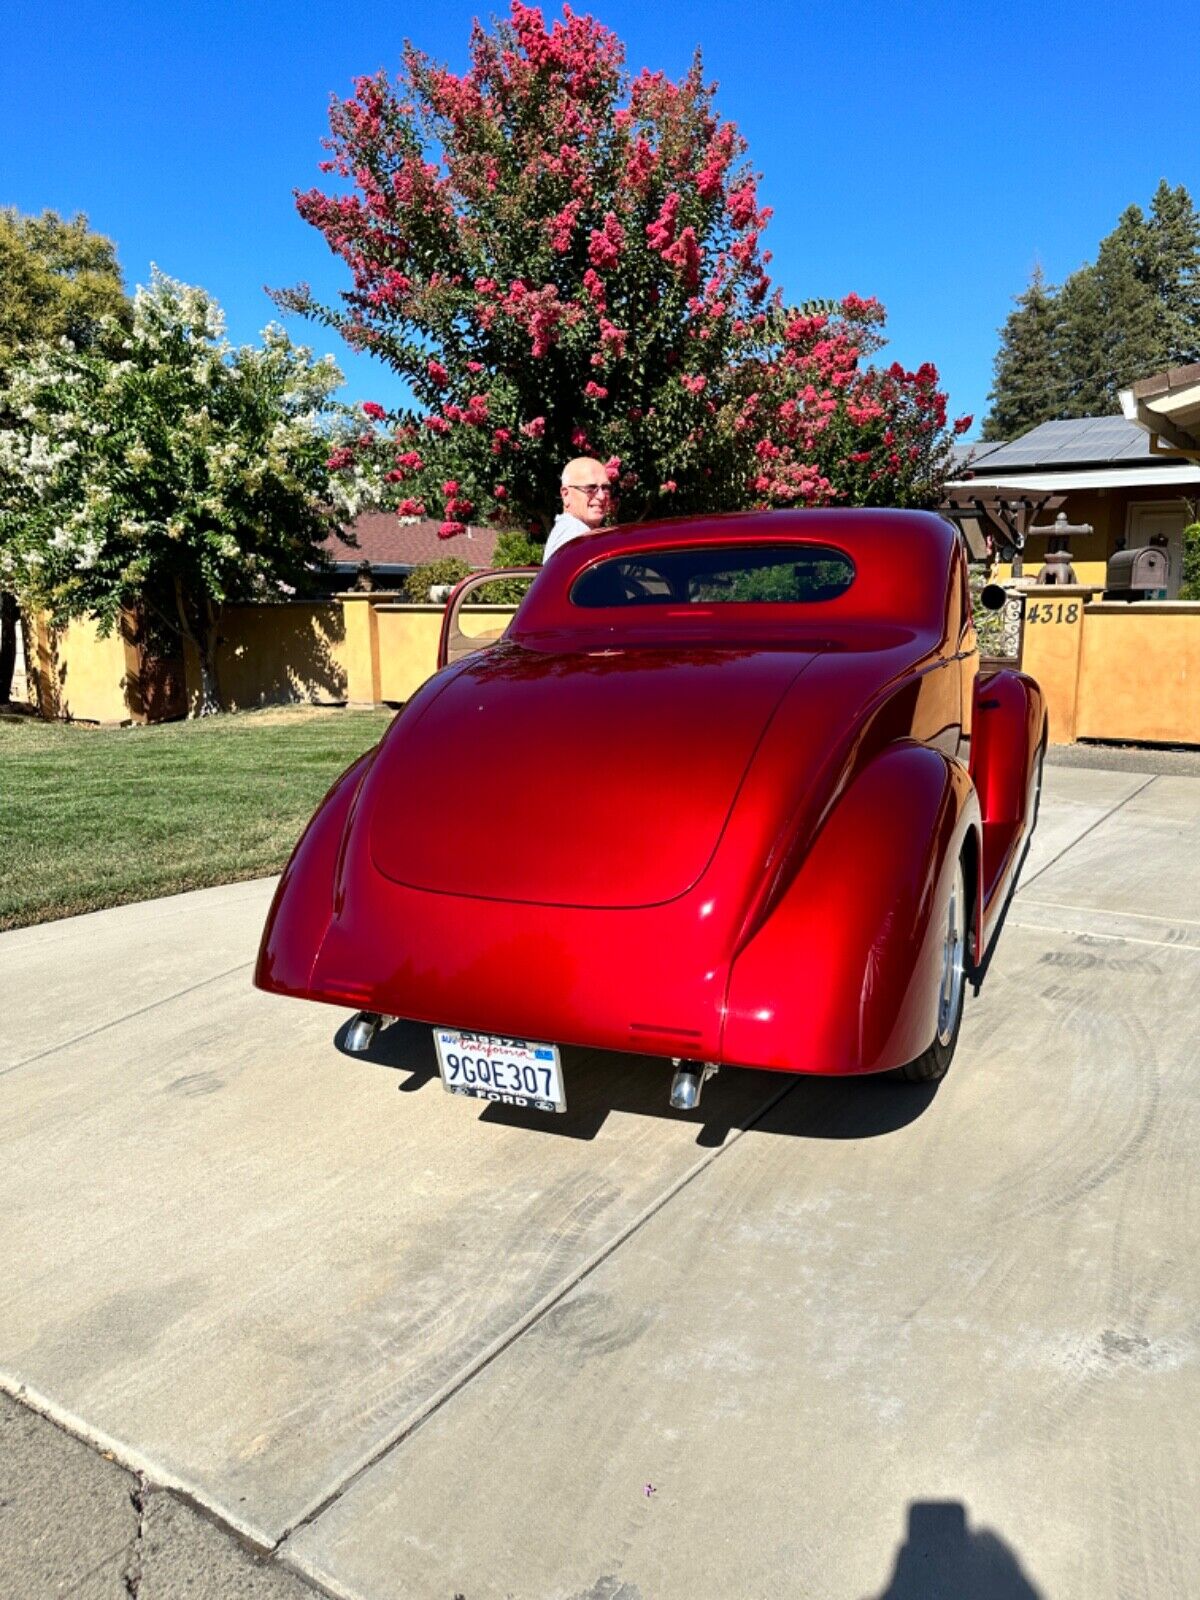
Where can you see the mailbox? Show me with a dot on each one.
(1137, 574)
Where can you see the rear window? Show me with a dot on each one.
(756, 574)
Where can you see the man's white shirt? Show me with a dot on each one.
(566, 527)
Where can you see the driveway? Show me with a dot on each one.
(839, 1340)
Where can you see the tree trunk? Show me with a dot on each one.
(8, 644)
(198, 623)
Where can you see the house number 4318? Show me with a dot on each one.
(1048, 611)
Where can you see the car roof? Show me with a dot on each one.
(903, 564)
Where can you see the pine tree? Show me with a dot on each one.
(1133, 312)
(1078, 359)
(1131, 339)
(1025, 367)
(1172, 269)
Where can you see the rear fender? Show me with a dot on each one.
(299, 916)
(1008, 729)
(1008, 734)
(843, 975)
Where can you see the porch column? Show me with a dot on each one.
(362, 649)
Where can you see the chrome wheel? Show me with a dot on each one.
(954, 947)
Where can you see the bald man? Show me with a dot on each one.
(587, 503)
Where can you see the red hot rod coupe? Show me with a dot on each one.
(728, 790)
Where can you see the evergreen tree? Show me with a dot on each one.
(1172, 269)
(1025, 364)
(1133, 312)
(1078, 364)
(1131, 335)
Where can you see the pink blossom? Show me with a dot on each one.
(661, 231)
(580, 440)
(438, 373)
(410, 461)
(606, 243)
(669, 487)
(595, 391)
(373, 410)
(743, 203)
(500, 492)
(684, 255)
(340, 459)
(448, 530)
(694, 384)
(535, 428)
(612, 339)
(562, 227)
(411, 508)
(613, 468)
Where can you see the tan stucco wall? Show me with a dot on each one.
(408, 642)
(80, 673)
(276, 654)
(1139, 674)
(1114, 671)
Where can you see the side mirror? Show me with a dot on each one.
(993, 597)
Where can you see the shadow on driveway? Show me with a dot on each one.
(598, 1082)
(942, 1559)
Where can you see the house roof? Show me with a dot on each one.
(969, 453)
(386, 541)
(1073, 442)
(1167, 407)
(1078, 453)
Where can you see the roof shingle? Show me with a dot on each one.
(385, 541)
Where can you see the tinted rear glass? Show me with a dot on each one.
(760, 574)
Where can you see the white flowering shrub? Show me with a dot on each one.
(179, 475)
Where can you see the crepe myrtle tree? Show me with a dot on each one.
(173, 475)
(561, 259)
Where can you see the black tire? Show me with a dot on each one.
(934, 1063)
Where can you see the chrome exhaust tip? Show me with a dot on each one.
(361, 1033)
(688, 1083)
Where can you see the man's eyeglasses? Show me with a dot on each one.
(591, 489)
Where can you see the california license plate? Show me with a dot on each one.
(511, 1072)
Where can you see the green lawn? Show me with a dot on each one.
(93, 817)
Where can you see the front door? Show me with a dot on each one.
(1156, 521)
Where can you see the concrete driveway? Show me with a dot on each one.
(838, 1340)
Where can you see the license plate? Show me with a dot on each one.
(510, 1072)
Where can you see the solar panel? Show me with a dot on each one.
(1071, 441)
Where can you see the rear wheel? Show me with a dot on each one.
(934, 1063)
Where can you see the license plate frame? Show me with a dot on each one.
(501, 1070)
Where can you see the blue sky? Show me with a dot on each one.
(929, 154)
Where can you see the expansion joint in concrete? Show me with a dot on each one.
(468, 1373)
(133, 1567)
(1099, 822)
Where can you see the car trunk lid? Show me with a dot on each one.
(588, 778)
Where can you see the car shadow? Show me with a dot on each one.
(599, 1083)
